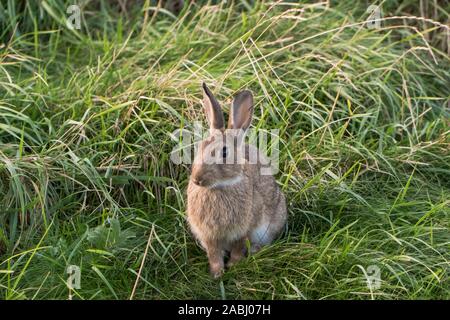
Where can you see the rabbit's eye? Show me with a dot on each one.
(224, 152)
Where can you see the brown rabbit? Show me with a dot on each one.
(230, 201)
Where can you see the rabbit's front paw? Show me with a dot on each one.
(216, 271)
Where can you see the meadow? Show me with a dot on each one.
(86, 117)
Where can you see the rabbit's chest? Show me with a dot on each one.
(219, 215)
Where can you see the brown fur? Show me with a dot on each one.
(222, 216)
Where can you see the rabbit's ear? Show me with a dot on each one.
(241, 111)
(213, 111)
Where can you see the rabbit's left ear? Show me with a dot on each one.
(241, 111)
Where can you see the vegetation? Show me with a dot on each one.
(86, 117)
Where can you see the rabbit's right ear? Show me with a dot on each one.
(241, 111)
(213, 111)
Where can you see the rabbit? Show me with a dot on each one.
(230, 203)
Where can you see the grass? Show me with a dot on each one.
(85, 123)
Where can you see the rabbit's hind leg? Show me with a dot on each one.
(261, 235)
(237, 252)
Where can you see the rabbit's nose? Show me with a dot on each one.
(197, 181)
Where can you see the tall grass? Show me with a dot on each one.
(85, 122)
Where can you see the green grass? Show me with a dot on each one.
(85, 123)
